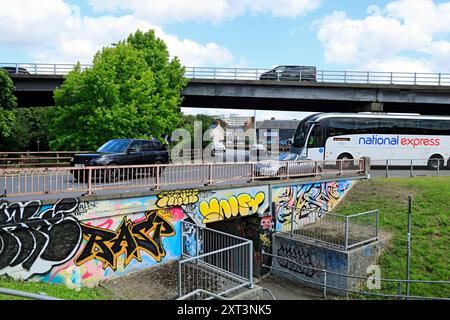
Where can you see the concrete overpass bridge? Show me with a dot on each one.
(239, 88)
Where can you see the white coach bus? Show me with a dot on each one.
(380, 136)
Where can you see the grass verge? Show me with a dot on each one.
(430, 233)
(53, 290)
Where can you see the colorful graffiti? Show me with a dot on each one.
(308, 202)
(36, 238)
(219, 209)
(81, 243)
(177, 198)
(298, 259)
(212, 206)
(191, 246)
(129, 239)
(216, 205)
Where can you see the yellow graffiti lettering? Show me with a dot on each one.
(226, 209)
(242, 205)
(107, 246)
(265, 240)
(177, 198)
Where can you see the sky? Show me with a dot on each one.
(367, 35)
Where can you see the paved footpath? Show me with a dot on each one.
(286, 290)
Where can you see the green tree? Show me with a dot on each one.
(188, 122)
(7, 104)
(132, 91)
(30, 130)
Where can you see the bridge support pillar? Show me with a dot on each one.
(372, 107)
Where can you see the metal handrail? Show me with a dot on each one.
(325, 285)
(213, 261)
(27, 295)
(50, 180)
(331, 76)
(345, 224)
(200, 291)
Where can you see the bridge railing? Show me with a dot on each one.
(27, 181)
(37, 159)
(330, 76)
(340, 283)
(41, 68)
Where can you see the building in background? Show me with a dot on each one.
(217, 133)
(234, 120)
(276, 130)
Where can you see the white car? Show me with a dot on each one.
(288, 163)
(258, 148)
(218, 147)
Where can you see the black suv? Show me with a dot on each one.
(293, 73)
(124, 152)
(120, 152)
(14, 70)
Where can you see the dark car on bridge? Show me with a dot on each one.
(120, 152)
(14, 70)
(291, 73)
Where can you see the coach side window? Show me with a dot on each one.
(340, 126)
(363, 126)
(436, 127)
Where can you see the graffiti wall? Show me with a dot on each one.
(303, 262)
(307, 202)
(221, 204)
(81, 243)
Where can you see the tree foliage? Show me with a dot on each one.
(188, 122)
(30, 131)
(7, 105)
(132, 91)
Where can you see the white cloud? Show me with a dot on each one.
(400, 64)
(381, 40)
(166, 11)
(57, 32)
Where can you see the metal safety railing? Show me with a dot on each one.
(41, 68)
(331, 76)
(341, 231)
(37, 158)
(390, 168)
(214, 262)
(28, 181)
(201, 294)
(331, 281)
(26, 295)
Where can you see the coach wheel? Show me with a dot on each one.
(347, 160)
(435, 161)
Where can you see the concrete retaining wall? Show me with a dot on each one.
(313, 255)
